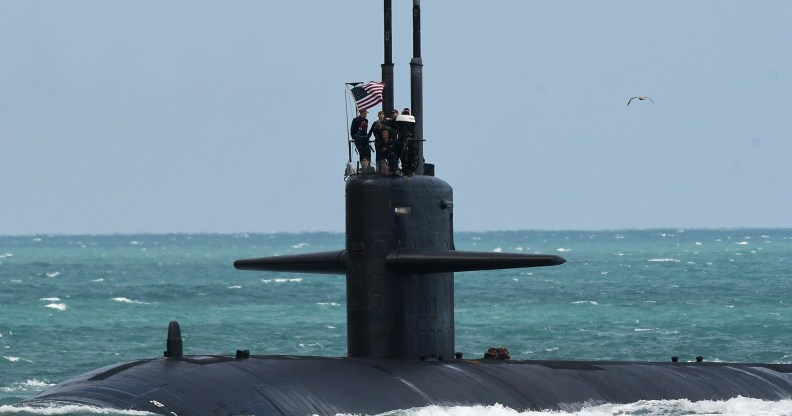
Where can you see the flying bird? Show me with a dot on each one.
(639, 99)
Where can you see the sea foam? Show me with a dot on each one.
(65, 410)
(127, 300)
(731, 407)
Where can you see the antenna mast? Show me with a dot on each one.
(387, 66)
(416, 84)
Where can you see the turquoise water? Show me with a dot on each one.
(70, 304)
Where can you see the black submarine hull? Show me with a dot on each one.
(292, 385)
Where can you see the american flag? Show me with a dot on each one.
(368, 95)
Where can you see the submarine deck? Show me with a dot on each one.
(327, 386)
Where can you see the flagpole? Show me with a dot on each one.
(349, 133)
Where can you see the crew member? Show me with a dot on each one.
(376, 129)
(358, 130)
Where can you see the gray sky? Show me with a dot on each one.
(198, 116)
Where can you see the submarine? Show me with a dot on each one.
(399, 261)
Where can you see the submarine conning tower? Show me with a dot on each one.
(395, 312)
(400, 257)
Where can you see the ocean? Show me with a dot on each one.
(74, 303)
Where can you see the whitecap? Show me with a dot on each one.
(71, 409)
(59, 306)
(313, 344)
(330, 327)
(300, 245)
(734, 406)
(235, 287)
(12, 359)
(328, 304)
(53, 274)
(563, 250)
(498, 250)
(669, 260)
(98, 280)
(644, 329)
(134, 243)
(127, 300)
(9, 255)
(742, 243)
(590, 302)
(283, 280)
(51, 299)
(29, 385)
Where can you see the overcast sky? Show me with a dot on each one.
(199, 116)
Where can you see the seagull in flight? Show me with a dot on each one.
(639, 99)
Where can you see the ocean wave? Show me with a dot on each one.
(51, 299)
(283, 280)
(59, 306)
(16, 359)
(70, 409)
(28, 385)
(127, 300)
(53, 274)
(664, 260)
(731, 407)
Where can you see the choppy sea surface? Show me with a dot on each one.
(74, 303)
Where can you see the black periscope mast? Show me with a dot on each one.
(399, 263)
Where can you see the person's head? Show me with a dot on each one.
(406, 111)
(363, 112)
(381, 115)
(385, 134)
(394, 113)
